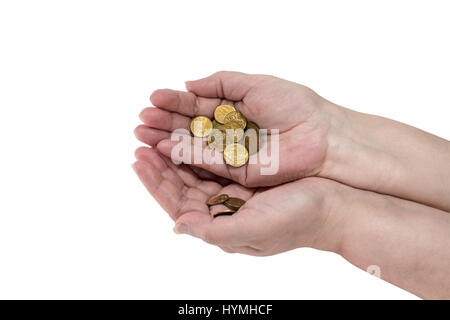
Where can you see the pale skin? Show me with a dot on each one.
(410, 242)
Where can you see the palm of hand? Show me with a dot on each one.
(272, 220)
(271, 102)
(293, 109)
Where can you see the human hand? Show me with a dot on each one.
(366, 228)
(271, 102)
(364, 151)
(317, 138)
(272, 220)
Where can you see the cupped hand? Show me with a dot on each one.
(270, 102)
(272, 220)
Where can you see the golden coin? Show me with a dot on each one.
(252, 125)
(223, 213)
(234, 203)
(201, 126)
(217, 125)
(221, 111)
(216, 140)
(217, 199)
(236, 116)
(251, 138)
(235, 155)
(233, 131)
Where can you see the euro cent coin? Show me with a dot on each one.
(201, 126)
(217, 199)
(251, 138)
(216, 140)
(221, 111)
(235, 155)
(233, 131)
(234, 203)
(236, 116)
(217, 125)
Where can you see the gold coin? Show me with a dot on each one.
(217, 199)
(252, 125)
(236, 116)
(221, 111)
(201, 126)
(233, 131)
(223, 213)
(235, 155)
(217, 125)
(216, 140)
(234, 203)
(251, 138)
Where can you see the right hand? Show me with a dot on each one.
(272, 103)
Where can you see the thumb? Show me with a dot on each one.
(200, 156)
(223, 84)
(225, 231)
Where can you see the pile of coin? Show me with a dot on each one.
(233, 204)
(229, 132)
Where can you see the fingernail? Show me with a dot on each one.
(180, 228)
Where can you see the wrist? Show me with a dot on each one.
(334, 212)
(382, 155)
(344, 213)
(343, 143)
(355, 155)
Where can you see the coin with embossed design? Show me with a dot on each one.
(221, 112)
(235, 155)
(201, 126)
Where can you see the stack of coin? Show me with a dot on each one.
(230, 133)
(233, 204)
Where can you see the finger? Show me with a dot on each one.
(169, 174)
(223, 84)
(188, 223)
(165, 191)
(199, 189)
(185, 103)
(162, 163)
(151, 156)
(224, 231)
(201, 156)
(184, 172)
(210, 160)
(150, 136)
(191, 179)
(170, 182)
(164, 120)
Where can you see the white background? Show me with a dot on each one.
(75, 222)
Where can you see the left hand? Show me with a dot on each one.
(272, 220)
